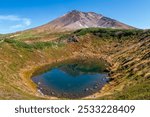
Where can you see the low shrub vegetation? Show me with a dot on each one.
(109, 33)
(36, 45)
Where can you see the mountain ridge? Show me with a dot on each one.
(77, 20)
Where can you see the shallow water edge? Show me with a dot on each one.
(72, 79)
(29, 72)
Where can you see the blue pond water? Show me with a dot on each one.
(72, 80)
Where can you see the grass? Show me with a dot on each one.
(15, 56)
(126, 50)
(132, 56)
(32, 36)
(26, 35)
(138, 90)
(36, 45)
(108, 33)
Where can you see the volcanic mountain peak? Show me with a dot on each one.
(77, 20)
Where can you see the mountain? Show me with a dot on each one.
(77, 20)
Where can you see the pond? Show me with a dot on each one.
(73, 79)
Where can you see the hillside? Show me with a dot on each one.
(126, 51)
(65, 24)
(76, 20)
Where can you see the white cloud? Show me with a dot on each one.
(10, 17)
(16, 26)
(21, 22)
(27, 21)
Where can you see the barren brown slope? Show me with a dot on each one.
(77, 20)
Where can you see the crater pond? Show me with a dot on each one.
(72, 79)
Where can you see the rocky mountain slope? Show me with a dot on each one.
(77, 20)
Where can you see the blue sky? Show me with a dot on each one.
(18, 15)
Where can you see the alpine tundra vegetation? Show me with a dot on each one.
(82, 36)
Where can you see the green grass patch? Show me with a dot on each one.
(36, 45)
(108, 32)
(139, 91)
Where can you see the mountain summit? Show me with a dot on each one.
(77, 20)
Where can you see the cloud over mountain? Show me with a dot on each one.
(11, 22)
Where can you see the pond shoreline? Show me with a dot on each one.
(26, 75)
(74, 78)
